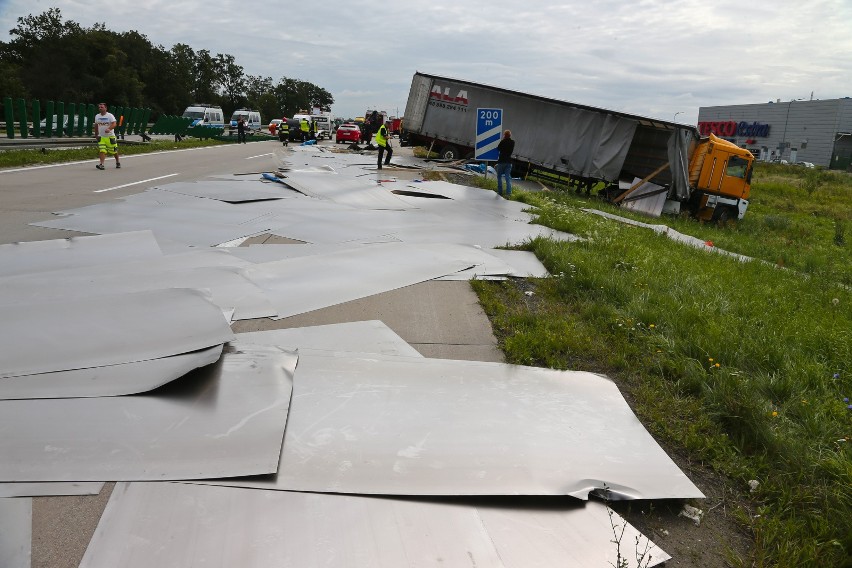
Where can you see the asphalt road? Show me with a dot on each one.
(438, 318)
(34, 193)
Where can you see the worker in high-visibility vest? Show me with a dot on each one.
(284, 132)
(383, 142)
(305, 127)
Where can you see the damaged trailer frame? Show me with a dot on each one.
(708, 176)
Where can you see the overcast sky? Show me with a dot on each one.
(644, 57)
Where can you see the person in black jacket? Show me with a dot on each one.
(504, 163)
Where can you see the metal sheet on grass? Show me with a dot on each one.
(225, 419)
(407, 426)
(175, 524)
(111, 380)
(107, 330)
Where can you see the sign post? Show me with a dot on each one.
(489, 129)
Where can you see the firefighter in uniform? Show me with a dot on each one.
(305, 127)
(284, 132)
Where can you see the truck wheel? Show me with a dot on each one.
(450, 153)
(722, 215)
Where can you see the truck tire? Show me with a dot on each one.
(450, 152)
(723, 214)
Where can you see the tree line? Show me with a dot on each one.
(51, 59)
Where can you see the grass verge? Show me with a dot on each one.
(742, 365)
(11, 158)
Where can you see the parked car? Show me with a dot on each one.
(347, 132)
(54, 125)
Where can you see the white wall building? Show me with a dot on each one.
(817, 131)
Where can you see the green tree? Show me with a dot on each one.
(232, 81)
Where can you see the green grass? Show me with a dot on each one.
(743, 366)
(10, 158)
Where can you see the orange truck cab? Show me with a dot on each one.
(720, 176)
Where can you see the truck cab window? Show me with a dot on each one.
(736, 167)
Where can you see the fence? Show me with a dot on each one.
(73, 119)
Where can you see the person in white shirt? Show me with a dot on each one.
(105, 133)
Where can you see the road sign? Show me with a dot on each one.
(489, 127)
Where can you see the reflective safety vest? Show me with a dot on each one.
(284, 126)
(382, 136)
(304, 125)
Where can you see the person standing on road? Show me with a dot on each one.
(504, 163)
(305, 127)
(383, 141)
(241, 131)
(105, 133)
(284, 132)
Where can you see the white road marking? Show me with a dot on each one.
(134, 183)
(259, 156)
(59, 165)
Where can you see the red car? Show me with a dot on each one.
(347, 132)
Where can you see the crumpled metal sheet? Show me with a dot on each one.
(109, 380)
(108, 330)
(175, 524)
(225, 419)
(407, 426)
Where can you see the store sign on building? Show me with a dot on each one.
(730, 128)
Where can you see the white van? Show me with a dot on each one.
(323, 124)
(205, 115)
(251, 118)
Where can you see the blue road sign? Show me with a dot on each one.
(489, 127)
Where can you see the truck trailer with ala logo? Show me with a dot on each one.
(644, 163)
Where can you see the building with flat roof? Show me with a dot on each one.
(816, 131)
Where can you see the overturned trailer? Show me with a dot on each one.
(646, 163)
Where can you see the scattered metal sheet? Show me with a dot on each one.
(524, 263)
(648, 198)
(49, 489)
(171, 524)
(108, 330)
(194, 221)
(111, 380)
(300, 285)
(359, 336)
(42, 256)
(517, 263)
(407, 426)
(227, 285)
(672, 234)
(225, 420)
(344, 190)
(229, 192)
(16, 532)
